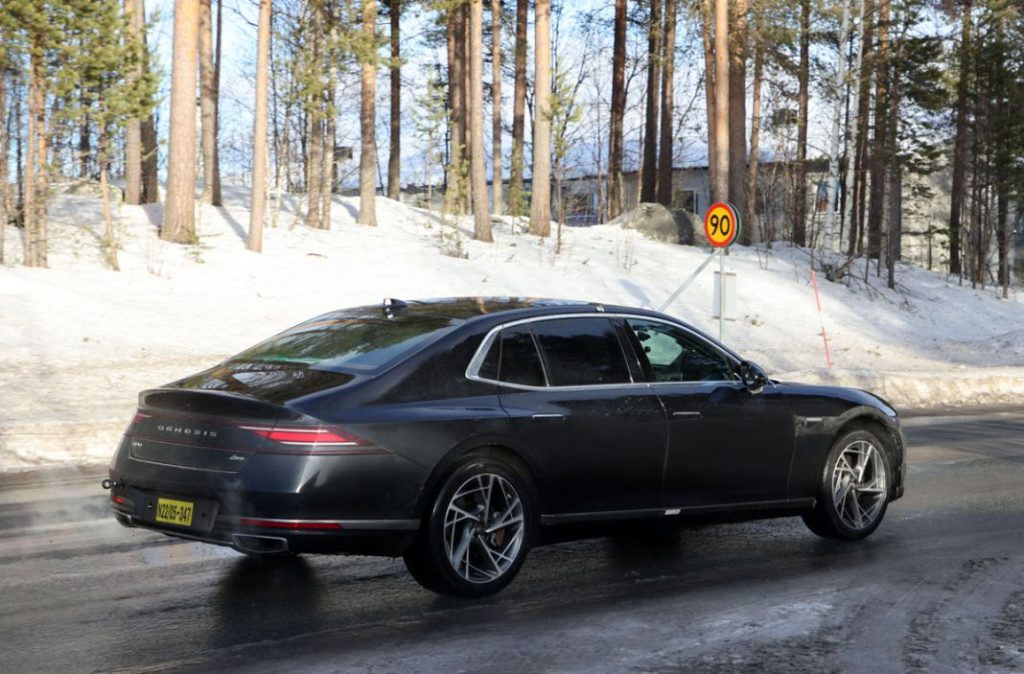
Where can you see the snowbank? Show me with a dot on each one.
(80, 341)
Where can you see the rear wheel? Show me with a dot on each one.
(476, 535)
(854, 490)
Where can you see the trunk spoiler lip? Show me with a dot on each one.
(279, 411)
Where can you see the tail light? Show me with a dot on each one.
(139, 418)
(314, 439)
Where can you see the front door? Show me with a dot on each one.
(727, 445)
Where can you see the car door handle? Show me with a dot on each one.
(687, 415)
(549, 417)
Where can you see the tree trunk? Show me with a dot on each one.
(315, 166)
(667, 127)
(395, 137)
(330, 24)
(540, 204)
(895, 176)
(856, 178)
(327, 172)
(956, 200)
(518, 159)
(179, 213)
(738, 116)
(752, 226)
(35, 210)
(315, 30)
(133, 128)
(5, 132)
(618, 111)
(827, 241)
(477, 162)
(208, 104)
(707, 39)
(84, 148)
(218, 198)
(368, 121)
(455, 194)
(498, 205)
(259, 130)
(722, 78)
(28, 174)
(150, 168)
(1003, 241)
(108, 219)
(648, 181)
(880, 151)
(803, 75)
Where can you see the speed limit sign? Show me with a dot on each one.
(721, 224)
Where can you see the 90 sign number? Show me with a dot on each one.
(721, 224)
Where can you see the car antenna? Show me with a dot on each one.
(390, 305)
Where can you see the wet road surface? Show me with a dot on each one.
(938, 588)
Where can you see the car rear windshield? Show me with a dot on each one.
(347, 344)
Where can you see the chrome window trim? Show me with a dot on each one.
(475, 363)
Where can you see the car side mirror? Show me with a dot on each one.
(753, 377)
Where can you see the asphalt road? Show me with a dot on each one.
(938, 588)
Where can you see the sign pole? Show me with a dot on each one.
(721, 294)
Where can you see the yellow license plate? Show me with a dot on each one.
(169, 511)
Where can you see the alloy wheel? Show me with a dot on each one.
(484, 526)
(859, 484)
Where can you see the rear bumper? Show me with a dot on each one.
(364, 504)
(389, 538)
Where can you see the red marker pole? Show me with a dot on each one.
(821, 319)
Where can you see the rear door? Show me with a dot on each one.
(598, 437)
(727, 445)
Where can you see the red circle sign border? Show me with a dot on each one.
(733, 215)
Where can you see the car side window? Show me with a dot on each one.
(519, 363)
(582, 352)
(677, 355)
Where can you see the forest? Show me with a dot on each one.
(495, 107)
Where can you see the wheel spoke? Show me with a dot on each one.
(461, 553)
(463, 514)
(840, 495)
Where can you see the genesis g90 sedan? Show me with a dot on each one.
(458, 433)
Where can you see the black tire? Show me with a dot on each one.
(838, 521)
(428, 559)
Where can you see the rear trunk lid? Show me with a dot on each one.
(202, 430)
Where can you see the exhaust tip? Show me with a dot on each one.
(259, 545)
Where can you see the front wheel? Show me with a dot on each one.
(854, 490)
(477, 533)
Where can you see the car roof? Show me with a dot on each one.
(466, 309)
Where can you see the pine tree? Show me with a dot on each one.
(395, 69)
(259, 133)
(368, 116)
(540, 203)
(497, 200)
(208, 102)
(618, 111)
(477, 163)
(179, 212)
(516, 193)
(649, 170)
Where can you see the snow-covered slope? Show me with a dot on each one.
(80, 340)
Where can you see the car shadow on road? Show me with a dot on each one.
(331, 606)
(265, 598)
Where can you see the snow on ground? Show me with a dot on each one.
(79, 341)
